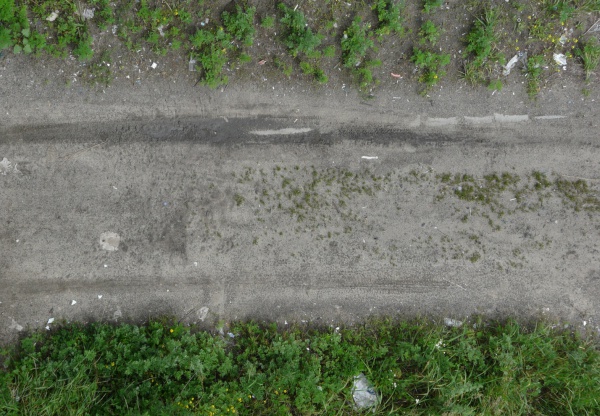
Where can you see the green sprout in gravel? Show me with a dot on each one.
(429, 6)
(482, 48)
(429, 65)
(356, 42)
(534, 70)
(267, 22)
(589, 53)
(16, 31)
(299, 37)
(429, 33)
(389, 18)
(213, 47)
(240, 24)
(100, 72)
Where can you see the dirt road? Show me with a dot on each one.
(310, 218)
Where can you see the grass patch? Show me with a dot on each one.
(299, 37)
(430, 67)
(589, 53)
(482, 48)
(415, 367)
(212, 48)
(389, 18)
(533, 71)
(429, 6)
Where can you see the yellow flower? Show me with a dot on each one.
(239, 399)
(285, 391)
(517, 48)
(576, 40)
(112, 364)
(171, 330)
(232, 410)
(249, 396)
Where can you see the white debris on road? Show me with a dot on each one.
(6, 166)
(109, 241)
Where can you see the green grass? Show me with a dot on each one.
(430, 67)
(389, 17)
(213, 47)
(356, 41)
(299, 37)
(534, 70)
(589, 53)
(429, 33)
(429, 6)
(415, 367)
(482, 50)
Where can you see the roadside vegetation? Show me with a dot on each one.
(247, 368)
(363, 42)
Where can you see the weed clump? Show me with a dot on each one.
(212, 48)
(482, 47)
(299, 37)
(589, 53)
(389, 18)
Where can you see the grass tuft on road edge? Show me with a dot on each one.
(415, 367)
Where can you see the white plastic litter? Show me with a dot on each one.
(452, 322)
(50, 321)
(510, 65)
(363, 393)
(73, 302)
(154, 65)
(192, 65)
(52, 16)
(203, 313)
(560, 59)
(88, 13)
(6, 166)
